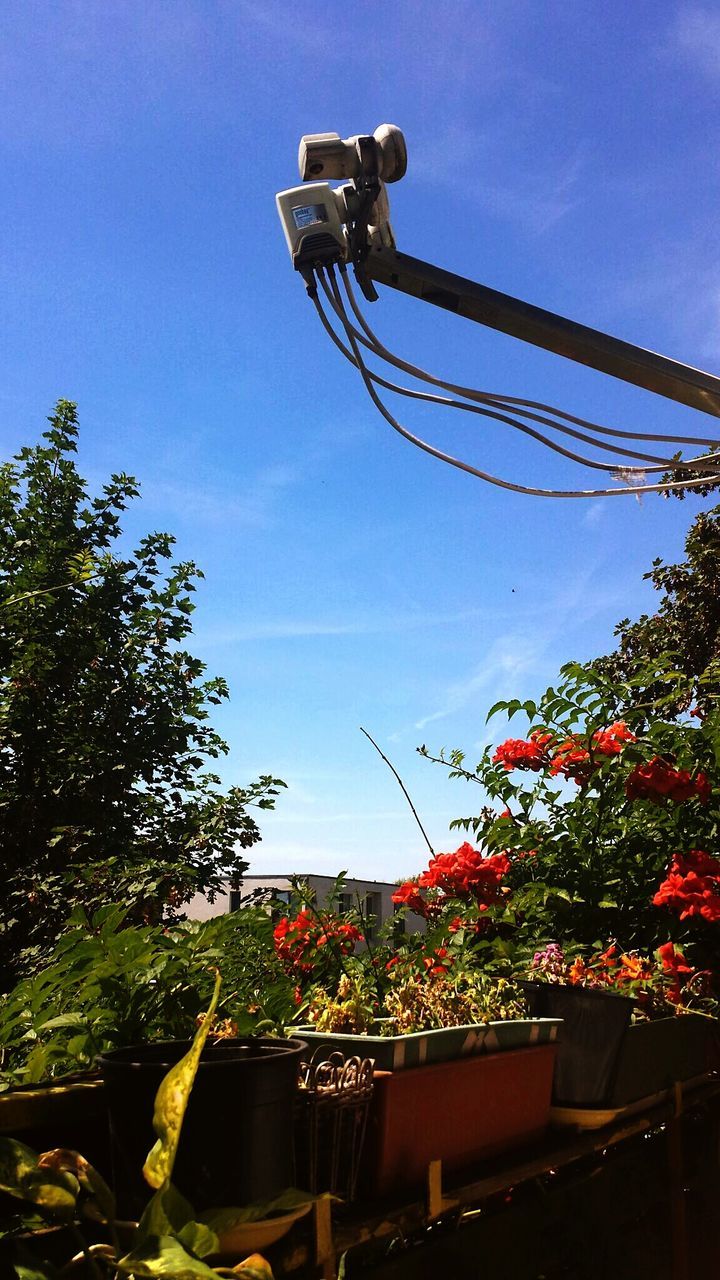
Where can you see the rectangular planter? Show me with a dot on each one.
(421, 1048)
(70, 1112)
(606, 1061)
(656, 1055)
(457, 1112)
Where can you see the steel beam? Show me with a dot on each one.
(555, 333)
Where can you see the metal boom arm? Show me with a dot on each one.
(555, 333)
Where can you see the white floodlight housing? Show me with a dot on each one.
(312, 219)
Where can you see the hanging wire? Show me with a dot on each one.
(369, 379)
(427, 396)
(470, 393)
(664, 463)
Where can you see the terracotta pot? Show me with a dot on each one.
(457, 1112)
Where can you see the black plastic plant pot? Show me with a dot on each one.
(236, 1140)
(594, 1028)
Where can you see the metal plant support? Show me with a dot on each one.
(333, 1100)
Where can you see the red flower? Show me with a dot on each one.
(572, 760)
(673, 960)
(658, 780)
(408, 895)
(673, 963)
(297, 941)
(692, 886)
(433, 964)
(610, 741)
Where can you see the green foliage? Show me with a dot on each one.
(686, 625)
(104, 786)
(109, 984)
(222, 1220)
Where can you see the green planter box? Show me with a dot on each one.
(421, 1048)
(656, 1055)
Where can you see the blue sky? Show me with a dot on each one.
(562, 153)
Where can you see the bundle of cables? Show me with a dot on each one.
(678, 473)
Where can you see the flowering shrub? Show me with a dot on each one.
(662, 985)
(598, 816)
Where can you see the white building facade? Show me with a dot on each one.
(372, 897)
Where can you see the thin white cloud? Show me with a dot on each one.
(534, 195)
(517, 653)
(508, 657)
(695, 39)
(254, 505)
(594, 514)
(297, 628)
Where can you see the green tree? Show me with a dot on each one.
(106, 783)
(686, 624)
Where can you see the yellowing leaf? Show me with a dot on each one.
(254, 1268)
(171, 1102)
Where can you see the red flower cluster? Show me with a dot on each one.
(692, 886)
(570, 758)
(466, 873)
(673, 963)
(296, 941)
(516, 753)
(436, 962)
(462, 874)
(658, 780)
(573, 760)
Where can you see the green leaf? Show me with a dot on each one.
(17, 1162)
(222, 1220)
(163, 1256)
(198, 1238)
(165, 1214)
(171, 1102)
(98, 1202)
(28, 1267)
(21, 1176)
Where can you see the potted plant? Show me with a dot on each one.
(423, 999)
(60, 1188)
(110, 984)
(632, 1025)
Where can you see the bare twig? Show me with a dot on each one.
(403, 787)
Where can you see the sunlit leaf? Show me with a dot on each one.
(171, 1102)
